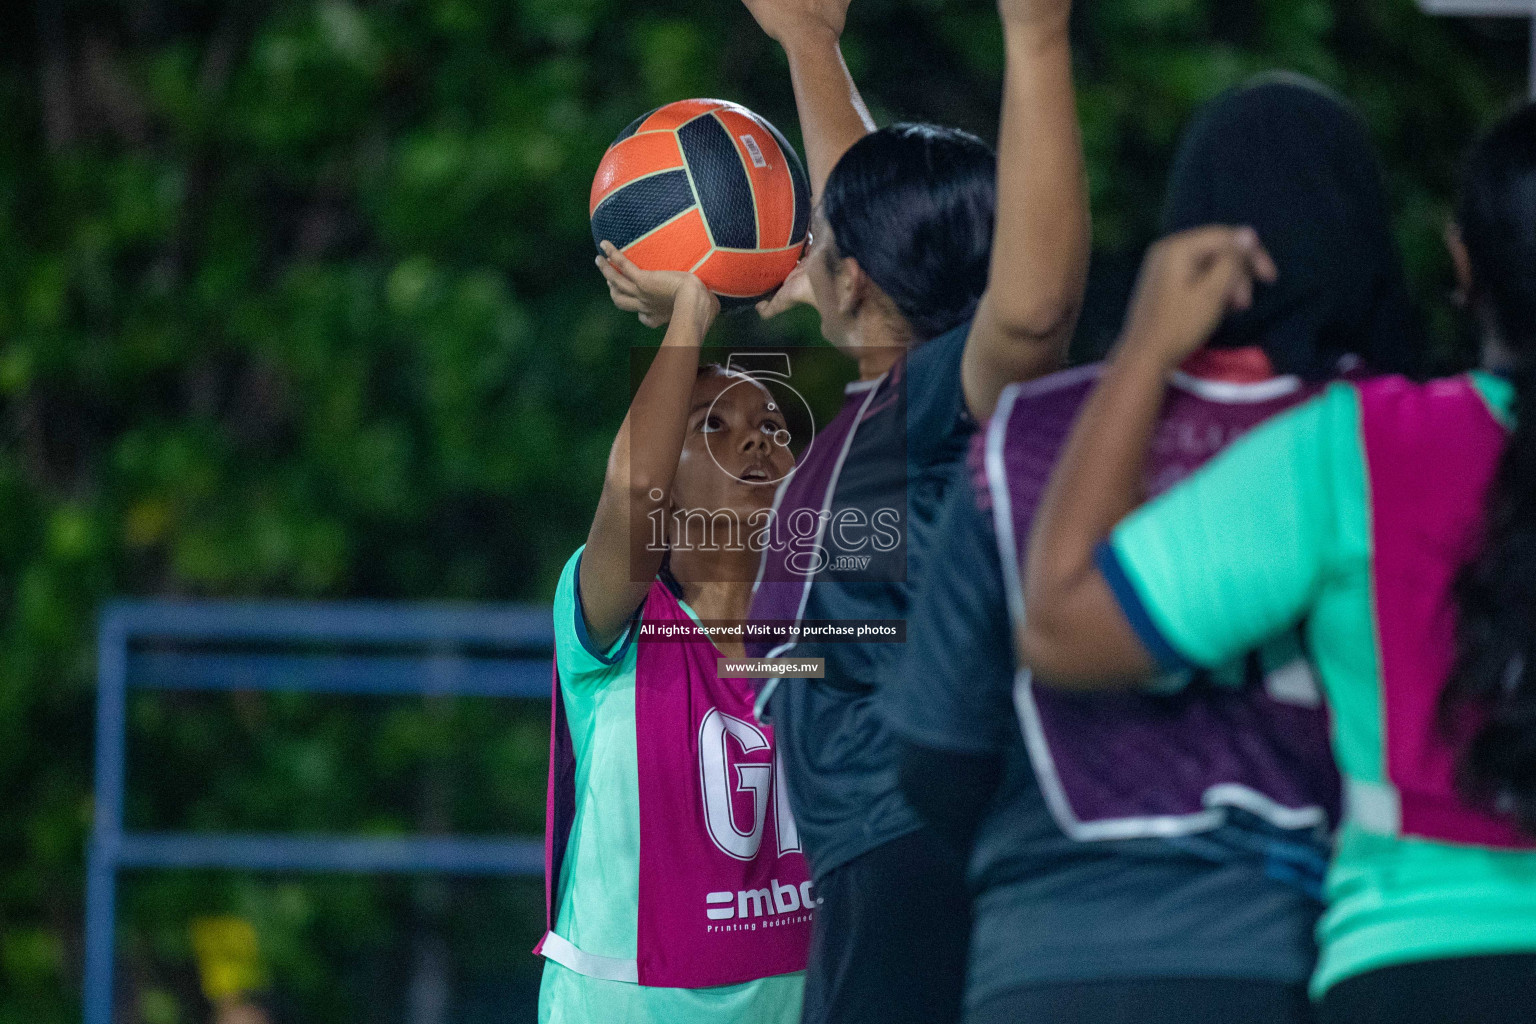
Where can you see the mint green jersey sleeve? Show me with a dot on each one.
(581, 661)
(1239, 551)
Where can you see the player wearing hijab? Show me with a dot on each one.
(1099, 898)
(1395, 523)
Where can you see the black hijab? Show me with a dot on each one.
(1290, 159)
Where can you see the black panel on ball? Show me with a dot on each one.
(725, 194)
(634, 126)
(641, 206)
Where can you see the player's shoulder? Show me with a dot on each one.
(934, 365)
(577, 653)
(1397, 395)
(566, 587)
(1065, 385)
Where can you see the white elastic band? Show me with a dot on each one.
(607, 968)
(1373, 806)
(1294, 683)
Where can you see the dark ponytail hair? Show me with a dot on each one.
(1495, 668)
(915, 205)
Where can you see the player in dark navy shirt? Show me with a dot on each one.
(911, 223)
(1073, 931)
(1122, 931)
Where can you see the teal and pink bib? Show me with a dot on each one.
(725, 895)
(1430, 453)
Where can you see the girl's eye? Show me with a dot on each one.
(771, 427)
(711, 425)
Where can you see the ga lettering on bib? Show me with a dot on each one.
(725, 894)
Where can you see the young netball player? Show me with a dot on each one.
(903, 238)
(675, 887)
(1396, 522)
(1096, 901)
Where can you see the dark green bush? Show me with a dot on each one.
(296, 299)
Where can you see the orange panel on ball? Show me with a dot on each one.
(674, 114)
(633, 158)
(678, 244)
(772, 186)
(747, 274)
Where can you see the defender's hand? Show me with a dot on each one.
(1189, 282)
(785, 20)
(656, 295)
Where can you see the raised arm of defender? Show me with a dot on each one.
(1076, 633)
(832, 113)
(1040, 245)
(619, 562)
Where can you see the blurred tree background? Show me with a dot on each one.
(296, 300)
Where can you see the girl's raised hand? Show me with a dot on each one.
(656, 295)
(783, 19)
(1189, 282)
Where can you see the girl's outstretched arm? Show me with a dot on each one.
(622, 556)
(1040, 245)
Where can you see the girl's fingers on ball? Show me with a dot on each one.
(628, 303)
(620, 261)
(614, 278)
(617, 260)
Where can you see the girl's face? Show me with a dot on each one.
(735, 452)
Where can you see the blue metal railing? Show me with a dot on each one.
(496, 651)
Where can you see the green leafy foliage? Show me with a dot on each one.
(296, 300)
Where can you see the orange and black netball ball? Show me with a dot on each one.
(708, 187)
